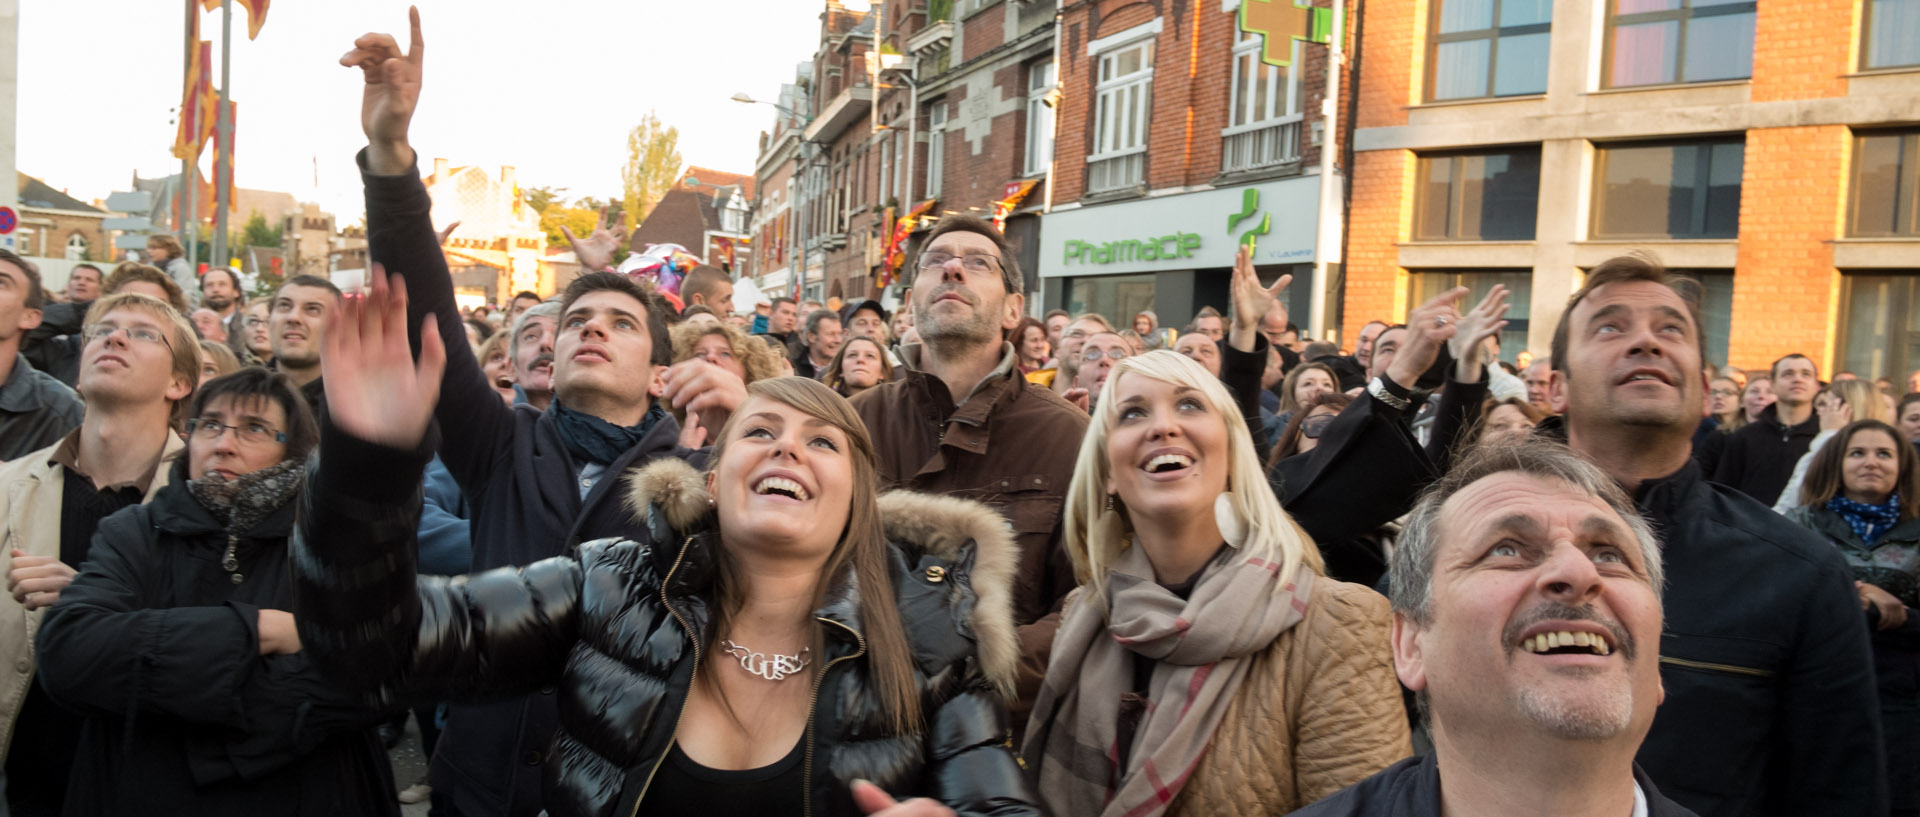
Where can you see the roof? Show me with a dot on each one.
(708, 176)
(36, 193)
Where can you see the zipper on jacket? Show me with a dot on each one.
(232, 560)
(691, 680)
(813, 699)
(1705, 665)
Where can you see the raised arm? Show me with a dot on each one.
(1245, 357)
(401, 237)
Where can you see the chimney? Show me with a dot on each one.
(507, 177)
(439, 170)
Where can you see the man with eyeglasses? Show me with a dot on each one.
(138, 363)
(1073, 339)
(1098, 355)
(963, 421)
(36, 409)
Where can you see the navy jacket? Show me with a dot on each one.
(523, 490)
(1411, 788)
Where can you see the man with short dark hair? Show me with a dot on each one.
(782, 316)
(83, 283)
(522, 301)
(1353, 370)
(865, 319)
(818, 344)
(1533, 545)
(297, 321)
(1073, 339)
(710, 287)
(963, 421)
(1759, 458)
(36, 409)
(220, 292)
(537, 482)
(1770, 687)
(1538, 377)
(1056, 321)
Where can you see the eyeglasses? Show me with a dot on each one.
(971, 262)
(143, 334)
(255, 323)
(1314, 426)
(209, 429)
(1725, 393)
(1094, 355)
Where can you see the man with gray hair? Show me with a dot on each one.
(530, 354)
(1526, 618)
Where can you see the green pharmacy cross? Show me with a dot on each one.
(1280, 22)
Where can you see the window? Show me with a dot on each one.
(1880, 324)
(936, 145)
(1685, 190)
(76, 247)
(902, 159)
(1716, 309)
(1478, 196)
(1263, 116)
(886, 170)
(1659, 42)
(1039, 118)
(1123, 104)
(1513, 339)
(1885, 195)
(1483, 48)
(1111, 294)
(1890, 34)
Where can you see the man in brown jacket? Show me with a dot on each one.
(964, 422)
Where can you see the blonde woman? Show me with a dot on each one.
(1843, 402)
(1247, 682)
(726, 347)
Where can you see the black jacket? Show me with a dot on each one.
(54, 346)
(1770, 706)
(159, 648)
(614, 627)
(1411, 788)
(36, 410)
(524, 492)
(1759, 458)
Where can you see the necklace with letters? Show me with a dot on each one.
(773, 667)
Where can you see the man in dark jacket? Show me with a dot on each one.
(1759, 458)
(1770, 705)
(1532, 542)
(36, 409)
(819, 343)
(537, 482)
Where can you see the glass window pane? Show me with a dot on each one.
(1525, 12)
(1430, 212)
(1460, 71)
(1644, 54)
(1523, 65)
(1716, 310)
(1511, 197)
(1876, 184)
(1634, 192)
(1870, 331)
(1719, 47)
(1465, 15)
(1638, 6)
(1723, 190)
(1893, 33)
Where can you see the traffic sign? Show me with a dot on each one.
(9, 220)
(129, 223)
(137, 201)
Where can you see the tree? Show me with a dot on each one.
(257, 233)
(653, 165)
(540, 198)
(580, 220)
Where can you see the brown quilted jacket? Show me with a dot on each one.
(1319, 711)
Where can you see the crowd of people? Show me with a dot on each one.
(620, 552)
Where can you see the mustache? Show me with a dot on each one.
(546, 359)
(1555, 611)
(944, 290)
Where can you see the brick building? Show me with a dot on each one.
(1769, 149)
(773, 264)
(1180, 138)
(706, 212)
(56, 225)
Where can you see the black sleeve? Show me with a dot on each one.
(1828, 725)
(1365, 473)
(1241, 372)
(371, 623)
(1460, 405)
(475, 424)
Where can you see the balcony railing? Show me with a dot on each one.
(1116, 173)
(1265, 146)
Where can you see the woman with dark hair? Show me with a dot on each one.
(176, 643)
(1302, 431)
(784, 640)
(1509, 419)
(1029, 339)
(1862, 494)
(860, 364)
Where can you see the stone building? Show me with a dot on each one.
(498, 248)
(56, 225)
(1768, 149)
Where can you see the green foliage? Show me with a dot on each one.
(653, 165)
(540, 198)
(939, 10)
(578, 219)
(257, 233)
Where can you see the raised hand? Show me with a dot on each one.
(375, 390)
(1432, 324)
(1251, 301)
(1834, 413)
(36, 581)
(391, 95)
(1469, 341)
(595, 252)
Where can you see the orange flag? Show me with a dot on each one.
(197, 105)
(256, 14)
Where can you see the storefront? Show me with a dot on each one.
(1174, 254)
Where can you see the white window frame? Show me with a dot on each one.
(902, 166)
(1246, 53)
(1040, 123)
(886, 170)
(936, 145)
(1111, 139)
(76, 247)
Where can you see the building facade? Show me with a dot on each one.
(56, 225)
(1768, 149)
(706, 212)
(499, 248)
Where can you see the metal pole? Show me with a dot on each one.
(1327, 243)
(188, 223)
(223, 141)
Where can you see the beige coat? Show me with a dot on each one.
(31, 489)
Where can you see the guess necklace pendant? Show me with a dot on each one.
(771, 667)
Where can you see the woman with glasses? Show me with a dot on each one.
(176, 644)
(253, 331)
(1303, 430)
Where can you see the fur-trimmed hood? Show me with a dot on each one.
(942, 527)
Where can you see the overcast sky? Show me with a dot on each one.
(550, 87)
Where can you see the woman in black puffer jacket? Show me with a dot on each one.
(681, 684)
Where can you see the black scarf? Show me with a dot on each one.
(591, 439)
(241, 502)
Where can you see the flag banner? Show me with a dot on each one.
(1010, 198)
(896, 246)
(256, 14)
(197, 104)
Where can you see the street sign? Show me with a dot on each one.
(129, 223)
(132, 241)
(9, 220)
(138, 201)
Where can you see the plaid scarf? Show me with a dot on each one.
(241, 502)
(1869, 522)
(1200, 647)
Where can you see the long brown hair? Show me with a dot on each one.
(862, 549)
(1289, 442)
(835, 379)
(1824, 480)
